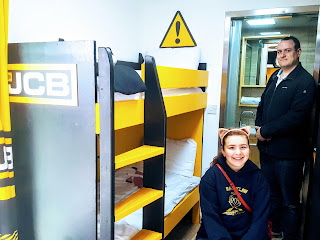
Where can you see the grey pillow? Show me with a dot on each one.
(127, 80)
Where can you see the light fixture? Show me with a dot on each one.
(262, 21)
(288, 16)
(270, 33)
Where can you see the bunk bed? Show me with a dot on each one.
(134, 124)
(55, 143)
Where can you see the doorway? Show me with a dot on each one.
(249, 59)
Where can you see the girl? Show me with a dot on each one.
(224, 216)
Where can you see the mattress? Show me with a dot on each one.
(177, 187)
(165, 93)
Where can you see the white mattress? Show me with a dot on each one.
(124, 189)
(177, 188)
(165, 93)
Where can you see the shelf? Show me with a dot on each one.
(136, 201)
(136, 155)
(248, 105)
(253, 86)
(131, 113)
(147, 235)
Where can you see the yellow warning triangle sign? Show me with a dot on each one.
(178, 34)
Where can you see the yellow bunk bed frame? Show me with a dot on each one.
(184, 120)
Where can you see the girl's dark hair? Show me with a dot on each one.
(215, 159)
(231, 133)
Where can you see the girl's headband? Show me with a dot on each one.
(224, 131)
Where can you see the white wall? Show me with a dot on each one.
(129, 26)
(113, 24)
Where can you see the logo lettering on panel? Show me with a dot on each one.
(53, 84)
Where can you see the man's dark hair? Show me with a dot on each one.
(295, 40)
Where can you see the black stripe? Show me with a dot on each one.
(1, 154)
(7, 182)
(6, 134)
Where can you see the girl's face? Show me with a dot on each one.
(236, 150)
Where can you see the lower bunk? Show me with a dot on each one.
(183, 171)
(181, 194)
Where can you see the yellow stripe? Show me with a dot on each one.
(4, 88)
(39, 67)
(4, 237)
(9, 77)
(97, 118)
(46, 101)
(8, 141)
(13, 236)
(6, 175)
(7, 192)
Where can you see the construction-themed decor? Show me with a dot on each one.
(178, 34)
(8, 216)
(50, 84)
(53, 139)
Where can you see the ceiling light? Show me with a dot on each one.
(265, 21)
(270, 33)
(288, 16)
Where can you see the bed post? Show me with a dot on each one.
(105, 88)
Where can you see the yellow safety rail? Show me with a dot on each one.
(136, 201)
(136, 155)
(147, 235)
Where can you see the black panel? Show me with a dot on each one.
(155, 129)
(202, 66)
(55, 151)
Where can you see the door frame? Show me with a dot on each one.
(253, 13)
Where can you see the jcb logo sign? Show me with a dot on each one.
(7, 162)
(54, 84)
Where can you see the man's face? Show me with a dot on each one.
(287, 56)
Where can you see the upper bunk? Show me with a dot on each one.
(131, 113)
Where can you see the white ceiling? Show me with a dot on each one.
(301, 20)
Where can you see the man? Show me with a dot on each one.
(282, 127)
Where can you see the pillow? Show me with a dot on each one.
(187, 57)
(180, 156)
(127, 80)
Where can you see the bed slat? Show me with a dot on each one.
(171, 77)
(176, 105)
(136, 155)
(130, 113)
(136, 201)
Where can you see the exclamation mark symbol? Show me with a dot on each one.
(178, 31)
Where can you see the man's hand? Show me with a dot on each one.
(258, 135)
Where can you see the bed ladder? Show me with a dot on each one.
(152, 153)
